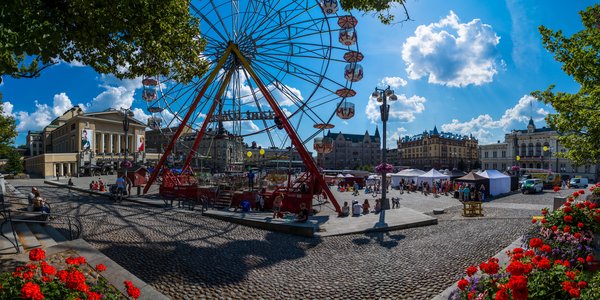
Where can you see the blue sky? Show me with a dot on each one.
(465, 66)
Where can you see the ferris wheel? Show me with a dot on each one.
(280, 72)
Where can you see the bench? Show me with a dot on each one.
(472, 209)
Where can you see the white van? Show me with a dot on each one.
(578, 183)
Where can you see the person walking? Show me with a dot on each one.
(277, 204)
(482, 192)
(467, 193)
(120, 187)
(250, 180)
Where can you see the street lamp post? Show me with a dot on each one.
(382, 95)
(126, 114)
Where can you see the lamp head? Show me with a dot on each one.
(389, 92)
(375, 94)
(393, 97)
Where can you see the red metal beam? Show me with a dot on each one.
(191, 110)
(312, 168)
(202, 130)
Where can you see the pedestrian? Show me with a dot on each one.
(356, 208)
(260, 200)
(277, 204)
(366, 207)
(482, 192)
(355, 187)
(377, 206)
(70, 183)
(467, 193)
(250, 180)
(345, 210)
(461, 191)
(302, 215)
(120, 187)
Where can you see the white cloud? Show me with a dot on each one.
(36, 120)
(395, 135)
(403, 109)
(452, 53)
(393, 82)
(8, 109)
(61, 104)
(515, 117)
(118, 93)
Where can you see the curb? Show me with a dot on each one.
(502, 260)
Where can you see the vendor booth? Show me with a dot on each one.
(408, 175)
(431, 176)
(499, 183)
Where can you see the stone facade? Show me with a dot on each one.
(439, 150)
(351, 151)
(525, 148)
(77, 141)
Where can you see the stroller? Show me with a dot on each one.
(112, 188)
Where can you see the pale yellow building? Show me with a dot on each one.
(439, 150)
(77, 143)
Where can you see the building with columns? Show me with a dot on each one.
(533, 148)
(439, 150)
(34, 144)
(77, 142)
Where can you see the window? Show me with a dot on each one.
(494, 166)
(494, 154)
(485, 155)
(503, 154)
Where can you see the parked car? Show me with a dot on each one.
(579, 183)
(532, 186)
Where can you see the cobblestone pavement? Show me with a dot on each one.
(187, 256)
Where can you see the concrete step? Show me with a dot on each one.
(56, 236)
(42, 235)
(26, 237)
(6, 247)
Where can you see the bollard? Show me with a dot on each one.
(558, 202)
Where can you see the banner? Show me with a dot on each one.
(140, 143)
(87, 138)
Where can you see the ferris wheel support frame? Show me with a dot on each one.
(306, 158)
(191, 110)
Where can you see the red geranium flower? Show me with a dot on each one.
(62, 275)
(518, 250)
(31, 290)
(501, 295)
(589, 258)
(566, 263)
(575, 194)
(93, 296)
(580, 225)
(463, 284)
(536, 243)
(133, 291)
(518, 284)
(582, 284)
(554, 228)
(100, 268)
(28, 275)
(471, 270)
(581, 192)
(48, 270)
(530, 253)
(544, 263)
(533, 221)
(517, 268)
(567, 209)
(568, 219)
(574, 293)
(567, 204)
(577, 235)
(567, 228)
(546, 248)
(544, 221)
(37, 254)
(556, 188)
(76, 281)
(544, 211)
(567, 285)
(580, 205)
(581, 260)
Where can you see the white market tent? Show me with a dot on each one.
(499, 183)
(431, 176)
(408, 175)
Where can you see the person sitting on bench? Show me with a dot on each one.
(302, 216)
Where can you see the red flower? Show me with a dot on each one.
(567, 285)
(570, 274)
(580, 205)
(581, 192)
(501, 295)
(530, 253)
(574, 293)
(544, 211)
(546, 248)
(544, 263)
(518, 284)
(593, 205)
(556, 188)
(533, 221)
(100, 268)
(581, 260)
(463, 284)
(28, 275)
(582, 284)
(567, 228)
(554, 228)
(570, 199)
(589, 258)
(75, 260)
(518, 250)
(536, 243)
(567, 204)
(577, 235)
(62, 275)
(580, 225)
(46, 278)
(544, 221)
(93, 296)
(566, 263)
(471, 270)
(76, 281)
(48, 270)
(31, 290)
(568, 219)
(517, 268)
(37, 254)
(567, 209)
(491, 267)
(575, 194)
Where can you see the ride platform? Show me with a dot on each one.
(329, 225)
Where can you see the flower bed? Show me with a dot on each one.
(62, 276)
(555, 262)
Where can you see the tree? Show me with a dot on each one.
(14, 163)
(380, 7)
(127, 38)
(577, 117)
(8, 131)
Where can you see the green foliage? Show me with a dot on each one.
(380, 7)
(8, 131)
(578, 115)
(593, 290)
(127, 38)
(14, 163)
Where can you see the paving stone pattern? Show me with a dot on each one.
(187, 256)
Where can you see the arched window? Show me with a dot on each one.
(538, 149)
(523, 150)
(530, 150)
